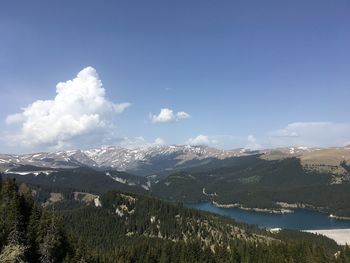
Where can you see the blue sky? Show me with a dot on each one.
(249, 74)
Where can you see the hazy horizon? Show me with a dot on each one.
(150, 145)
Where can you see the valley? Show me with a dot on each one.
(251, 198)
(267, 181)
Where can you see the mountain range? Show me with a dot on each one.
(167, 159)
(139, 161)
(272, 179)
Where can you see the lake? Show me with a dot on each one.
(301, 219)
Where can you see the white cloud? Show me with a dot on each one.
(311, 134)
(132, 143)
(79, 110)
(119, 108)
(199, 140)
(308, 134)
(252, 143)
(159, 141)
(139, 142)
(167, 115)
(182, 115)
(14, 118)
(225, 141)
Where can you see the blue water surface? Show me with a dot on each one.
(301, 219)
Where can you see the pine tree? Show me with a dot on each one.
(51, 243)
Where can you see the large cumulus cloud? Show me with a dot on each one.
(80, 110)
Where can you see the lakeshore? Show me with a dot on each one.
(255, 209)
(299, 219)
(284, 208)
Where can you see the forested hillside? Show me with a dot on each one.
(122, 227)
(253, 182)
(141, 229)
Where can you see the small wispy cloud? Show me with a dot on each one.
(252, 143)
(139, 142)
(199, 140)
(226, 141)
(167, 115)
(311, 134)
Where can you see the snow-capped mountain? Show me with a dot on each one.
(123, 159)
(166, 159)
(142, 161)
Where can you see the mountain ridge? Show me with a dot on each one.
(166, 159)
(116, 158)
(254, 179)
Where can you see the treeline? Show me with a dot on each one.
(145, 250)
